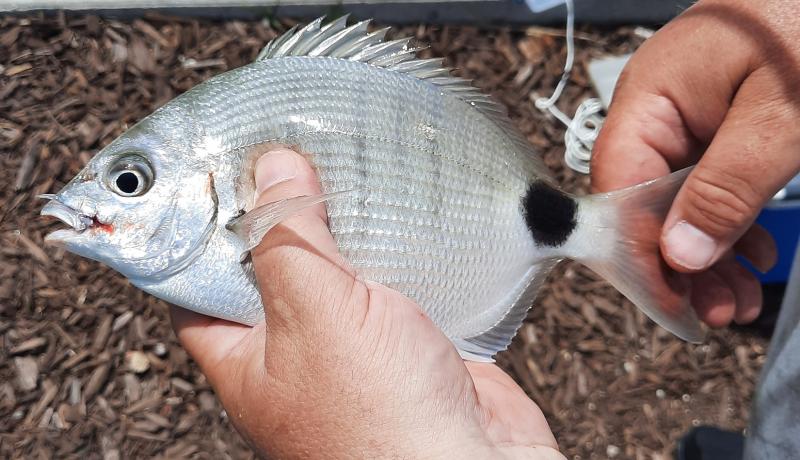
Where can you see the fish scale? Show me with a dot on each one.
(429, 188)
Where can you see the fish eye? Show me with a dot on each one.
(129, 176)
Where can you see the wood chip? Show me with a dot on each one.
(17, 69)
(27, 373)
(133, 388)
(122, 321)
(75, 359)
(181, 384)
(102, 333)
(25, 171)
(144, 404)
(34, 249)
(159, 420)
(29, 345)
(96, 380)
(137, 362)
(75, 392)
(138, 434)
(48, 394)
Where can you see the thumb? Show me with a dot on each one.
(752, 155)
(304, 281)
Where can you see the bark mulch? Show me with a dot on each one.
(89, 366)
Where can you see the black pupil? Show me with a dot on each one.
(127, 182)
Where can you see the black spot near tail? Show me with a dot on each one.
(549, 213)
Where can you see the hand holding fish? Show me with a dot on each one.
(346, 368)
(716, 87)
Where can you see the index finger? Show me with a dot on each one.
(666, 108)
(629, 149)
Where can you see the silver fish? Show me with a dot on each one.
(429, 189)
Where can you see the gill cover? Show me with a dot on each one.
(179, 238)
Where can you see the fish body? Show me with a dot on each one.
(449, 204)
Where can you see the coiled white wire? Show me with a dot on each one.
(582, 130)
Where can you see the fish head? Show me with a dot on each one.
(143, 204)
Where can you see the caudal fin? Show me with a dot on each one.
(617, 236)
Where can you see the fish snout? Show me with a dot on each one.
(75, 219)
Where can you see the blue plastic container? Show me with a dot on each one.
(783, 222)
(781, 217)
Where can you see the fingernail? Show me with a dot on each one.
(760, 267)
(689, 246)
(273, 168)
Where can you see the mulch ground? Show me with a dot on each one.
(89, 366)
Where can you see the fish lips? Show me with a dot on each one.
(77, 221)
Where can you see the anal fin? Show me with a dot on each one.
(483, 347)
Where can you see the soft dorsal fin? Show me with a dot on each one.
(355, 43)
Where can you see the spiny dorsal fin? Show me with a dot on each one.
(355, 43)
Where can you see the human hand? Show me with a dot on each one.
(345, 368)
(718, 87)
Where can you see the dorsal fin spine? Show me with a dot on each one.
(419, 64)
(430, 74)
(354, 43)
(341, 39)
(299, 36)
(357, 45)
(303, 49)
(276, 43)
(380, 49)
(391, 60)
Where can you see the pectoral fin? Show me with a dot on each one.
(252, 226)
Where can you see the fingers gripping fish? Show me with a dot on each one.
(429, 189)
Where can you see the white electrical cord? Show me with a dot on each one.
(583, 129)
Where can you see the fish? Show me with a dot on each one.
(429, 188)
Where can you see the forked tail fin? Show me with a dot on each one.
(617, 235)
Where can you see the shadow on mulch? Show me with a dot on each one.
(89, 365)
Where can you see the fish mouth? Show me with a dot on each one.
(77, 221)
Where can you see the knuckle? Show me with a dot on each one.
(721, 200)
